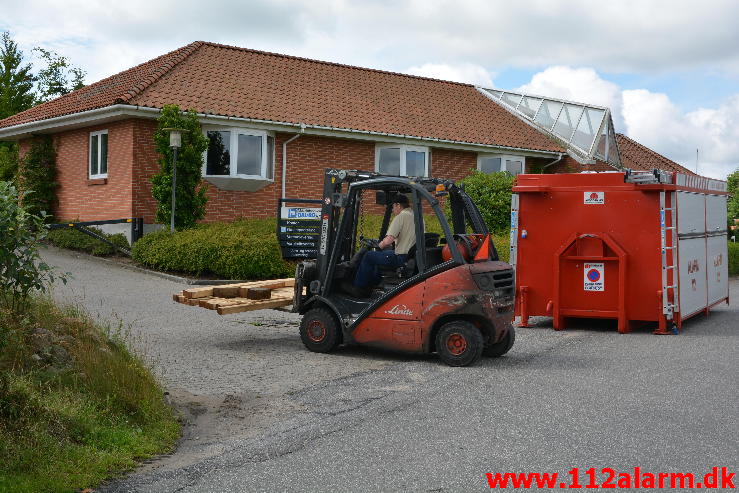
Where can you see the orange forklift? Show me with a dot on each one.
(452, 296)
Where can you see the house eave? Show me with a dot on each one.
(122, 111)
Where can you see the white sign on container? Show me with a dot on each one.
(594, 277)
(594, 198)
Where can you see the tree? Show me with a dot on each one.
(491, 192)
(57, 78)
(190, 194)
(16, 79)
(37, 176)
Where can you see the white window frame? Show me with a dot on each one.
(403, 149)
(99, 149)
(233, 146)
(503, 158)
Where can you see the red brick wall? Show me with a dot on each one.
(133, 160)
(77, 197)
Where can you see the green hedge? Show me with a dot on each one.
(245, 249)
(76, 240)
(733, 259)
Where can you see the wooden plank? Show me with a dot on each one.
(226, 291)
(258, 293)
(257, 305)
(208, 290)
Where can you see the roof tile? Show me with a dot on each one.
(639, 157)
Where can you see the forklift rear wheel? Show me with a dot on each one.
(501, 347)
(319, 331)
(459, 343)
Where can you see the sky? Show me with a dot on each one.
(669, 70)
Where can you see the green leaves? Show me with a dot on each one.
(21, 232)
(190, 194)
(492, 195)
(37, 177)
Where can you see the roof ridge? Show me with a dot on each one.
(336, 64)
(180, 55)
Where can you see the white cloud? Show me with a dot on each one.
(468, 73)
(653, 119)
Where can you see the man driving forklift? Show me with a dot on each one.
(402, 232)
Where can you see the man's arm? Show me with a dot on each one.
(386, 242)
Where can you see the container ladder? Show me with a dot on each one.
(669, 260)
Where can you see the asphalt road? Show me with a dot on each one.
(267, 415)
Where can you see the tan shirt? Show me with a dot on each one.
(403, 229)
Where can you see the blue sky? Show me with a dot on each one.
(669, 70)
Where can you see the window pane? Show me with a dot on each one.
(389, 161)
(249, 157)
(415, 163)
(548, 112)
(218, 161)
(567, 120)
(511, 100)
(270, 158)
(94, 155)
(513, 167)
(589, 125)
(529, 106)
(104, 154)
(490, 164)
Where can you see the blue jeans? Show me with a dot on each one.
(367, 274)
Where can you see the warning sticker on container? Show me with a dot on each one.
(594, 277)
(594, 198)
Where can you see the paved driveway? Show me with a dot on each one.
(268, 415)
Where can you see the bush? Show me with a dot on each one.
(21, 268)
(246, 249)
(491, 192)
(76, 240)
(36, 177)
(733, 258)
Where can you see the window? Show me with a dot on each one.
(239, 153)
(98, 154)
(494, 163)
(401, 160)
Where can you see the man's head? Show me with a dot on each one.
(401, 200)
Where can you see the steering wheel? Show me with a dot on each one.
(370, 243)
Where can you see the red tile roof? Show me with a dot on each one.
(637, 156)
(224, 80)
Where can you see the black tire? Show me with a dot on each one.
(459, 343)
(501, 347)
(319, 330)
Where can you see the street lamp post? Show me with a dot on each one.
(175, 142)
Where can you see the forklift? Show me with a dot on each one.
(452, 296)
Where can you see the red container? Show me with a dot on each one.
(636, 247)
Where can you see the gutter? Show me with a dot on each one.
(559, 158)
(284, 157)
(76, 120)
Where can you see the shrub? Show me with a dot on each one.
(245, 249)
(190, 197)
(76, 240)
(733, 258)
(21, 268)
(491, 192)
(36, 177)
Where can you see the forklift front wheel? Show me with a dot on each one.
(319, 330)
(459, 343)
(503, 346)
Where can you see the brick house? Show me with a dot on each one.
(275, 122)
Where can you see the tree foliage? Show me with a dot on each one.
(733, 203)
(491, 192)
(16, 79)
(190, 194)
(37, 177)
(57, 77)
(21, 269)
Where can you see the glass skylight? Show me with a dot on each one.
(586, 129)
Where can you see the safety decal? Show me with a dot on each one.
(594, 198)
(594, 277)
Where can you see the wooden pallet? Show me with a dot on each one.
(241, 297)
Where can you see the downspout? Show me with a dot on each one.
(284, 157)
(559, 158)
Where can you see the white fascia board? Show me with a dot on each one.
(120, 111)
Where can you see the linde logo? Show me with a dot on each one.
(693, 266)
(399, 310)
(594, 198)
(718, 260)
